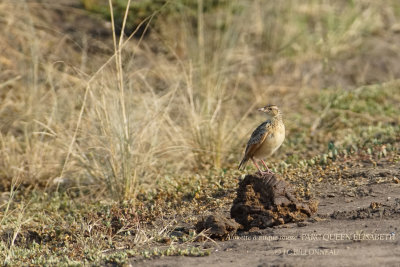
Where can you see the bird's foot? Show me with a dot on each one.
(268, 171)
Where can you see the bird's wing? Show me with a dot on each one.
(257, 138)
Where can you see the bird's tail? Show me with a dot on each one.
(243, 163)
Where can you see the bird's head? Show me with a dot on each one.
(270, 110)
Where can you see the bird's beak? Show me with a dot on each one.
(261, 109)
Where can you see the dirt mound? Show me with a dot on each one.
(265, 201)
(218, 226)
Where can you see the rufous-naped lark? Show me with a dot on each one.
(266, 138)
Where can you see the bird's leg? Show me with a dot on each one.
(259, 170)
(265, 165)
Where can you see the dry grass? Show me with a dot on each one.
(154, 112)
(167, 115)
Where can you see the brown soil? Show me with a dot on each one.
(357, 223)
(265, 201)
(217, 227)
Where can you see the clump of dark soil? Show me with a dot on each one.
(218, 226)
(265, 201)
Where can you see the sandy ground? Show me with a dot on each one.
(353, 227)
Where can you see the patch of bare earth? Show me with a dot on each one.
(357, 223)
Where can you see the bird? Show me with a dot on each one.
(265, 139)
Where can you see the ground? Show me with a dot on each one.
(356, 224)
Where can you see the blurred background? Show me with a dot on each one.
(83, 108)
